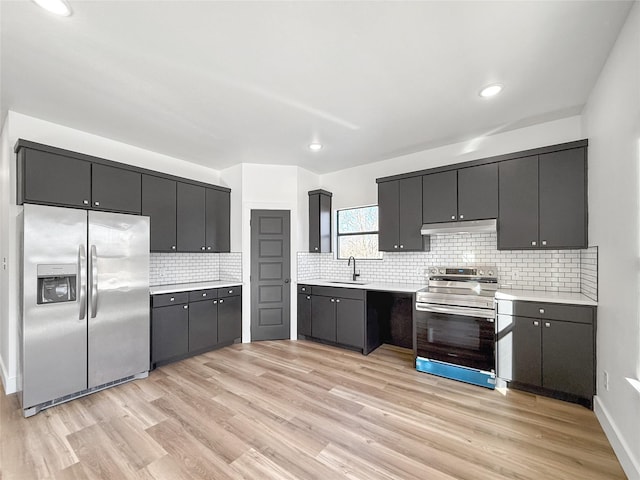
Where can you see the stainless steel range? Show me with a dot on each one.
(454, 324)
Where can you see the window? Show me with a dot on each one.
(358, 233)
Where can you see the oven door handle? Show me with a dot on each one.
(465, 312)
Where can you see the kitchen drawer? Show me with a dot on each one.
(230, 291)
(304, 289)
(198, 295)
(550, 311)
(338, 292)
(167, 299)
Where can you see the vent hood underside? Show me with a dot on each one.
(472, 226)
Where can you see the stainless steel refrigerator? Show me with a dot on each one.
(85, 303)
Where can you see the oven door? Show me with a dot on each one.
(458, 335)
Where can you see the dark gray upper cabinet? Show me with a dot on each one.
(388, 216)
(190, 218)
(159, 204)
(440, 197)
(52, 179)
(115, 189)
(478, 192)
(543, 201)
(320, 221)
(400, 215)
(518, 204)
(563, 199)
(217, 227)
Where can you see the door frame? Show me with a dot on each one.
(294, 213)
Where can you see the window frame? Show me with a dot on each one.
(352, 234)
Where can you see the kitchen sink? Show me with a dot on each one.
(348, 282)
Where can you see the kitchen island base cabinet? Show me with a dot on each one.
(548, 349)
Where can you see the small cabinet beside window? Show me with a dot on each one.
(320, 221)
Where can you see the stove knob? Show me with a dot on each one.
(481, 272)
(490, 273)
(442, 271)
(433, 271)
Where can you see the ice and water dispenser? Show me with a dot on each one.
(57, 283)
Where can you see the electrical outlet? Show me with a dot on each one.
(515, 274)
(605, 380)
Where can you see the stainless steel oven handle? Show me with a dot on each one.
(465, 312)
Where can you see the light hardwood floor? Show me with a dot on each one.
(300, 410)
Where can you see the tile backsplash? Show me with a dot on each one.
(548, 270)
(170, 268)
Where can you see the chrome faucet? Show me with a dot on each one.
(355, 275)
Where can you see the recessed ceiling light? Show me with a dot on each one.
(59, 7)
(314, 147)
(491, 90)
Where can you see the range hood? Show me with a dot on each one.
(448, 228)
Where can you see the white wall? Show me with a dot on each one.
(268, 187)
(612, 123)
(354, 187)
(29, 128)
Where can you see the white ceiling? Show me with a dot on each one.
(219, 83)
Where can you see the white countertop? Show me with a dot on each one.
(385, 287)
(540, 296)
(187, 287)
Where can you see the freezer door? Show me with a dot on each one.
(54, 328)
(118, 300)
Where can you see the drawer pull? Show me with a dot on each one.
(230, 291)
(215, 302)
(204, 294)
(536, 323)
(221, 301)
(338, 300)
(185, 306)
(547, 324)
(333, 300)
(172, 299)
(542, 311)
(308, 297)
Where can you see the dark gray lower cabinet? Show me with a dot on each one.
(332, 314)
(350, 322)
(203, 325)
(229, 319)
(188, 323)
(323, 318)
(169, 332)
(304, 314)
(553, 348)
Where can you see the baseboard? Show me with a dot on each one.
(620, 447)
(9, 384)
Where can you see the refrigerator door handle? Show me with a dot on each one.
(93, 282)
(82, 268)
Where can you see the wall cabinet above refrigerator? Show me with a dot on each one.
(57, 177)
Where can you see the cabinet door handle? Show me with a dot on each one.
(97, 204)
(173, 247)
(461, 217)
(315, 248)
(333, 300)
(208, 248)
(533, 243)
(395, 246)
(201, 248)
(453, 217)
(337, 300)
(536, 323)
(185, 306)
(308, 297)
(401, 246)
(544, 242)
(85, 202)
(215, 302)
(547, 324)
(221, 301)
(542, 310)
